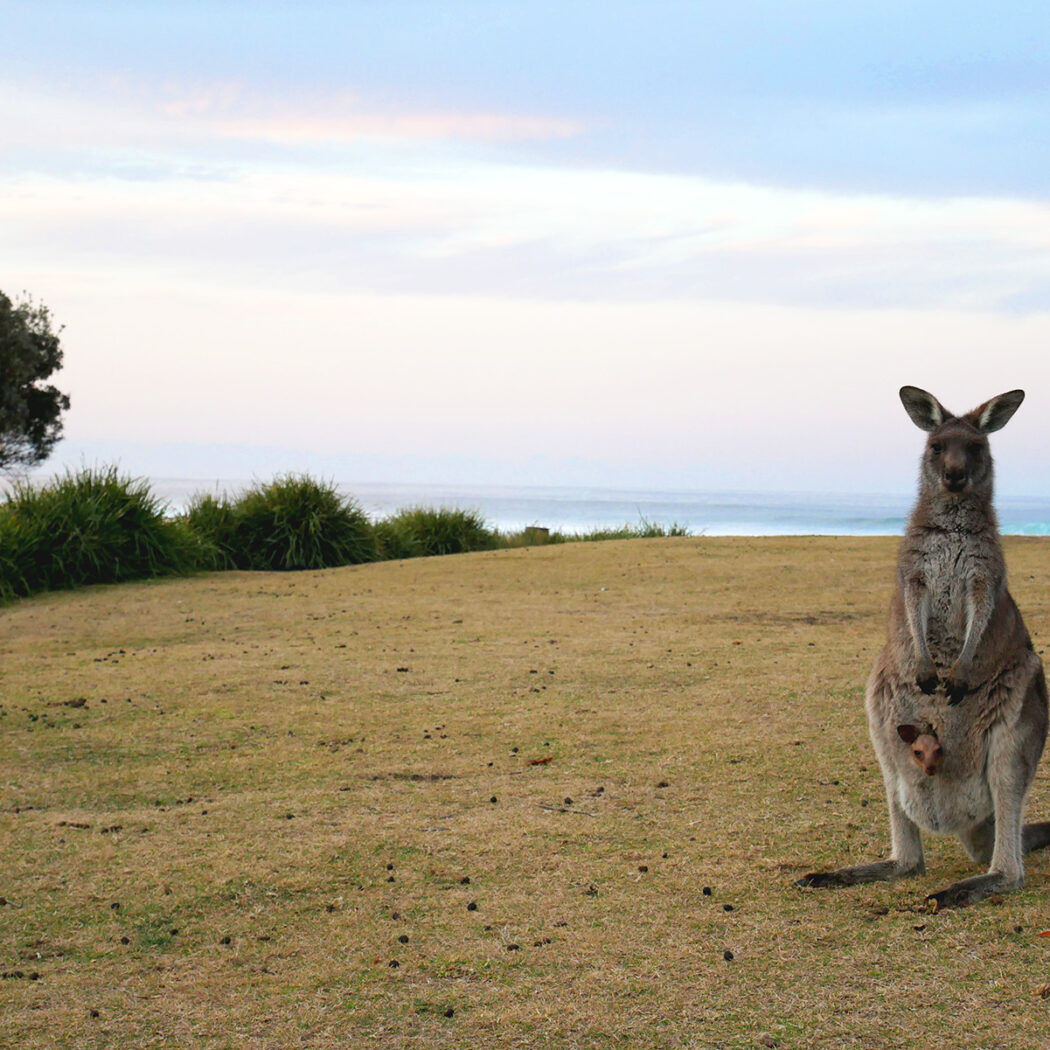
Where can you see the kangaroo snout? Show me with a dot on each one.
(955, 472)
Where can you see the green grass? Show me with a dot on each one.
(429, 531)
(293, 522)
(94, 526)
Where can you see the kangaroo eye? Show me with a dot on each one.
(917, 754)
(936, 448)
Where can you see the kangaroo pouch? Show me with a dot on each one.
(959, 796)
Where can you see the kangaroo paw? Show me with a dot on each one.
(927, 685)
(956, 692)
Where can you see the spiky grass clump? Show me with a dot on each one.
(644, 530)
(426, 531)
(10, 575)
(213, 521)
(293, 522)
(93, 526)
(394, 542)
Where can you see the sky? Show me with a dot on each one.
(636, 245)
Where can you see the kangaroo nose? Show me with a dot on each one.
(930, 770)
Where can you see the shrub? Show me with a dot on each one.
(394, 541)
(89, 527)
(427, 531)
(294, 522)
(11, 584)
(212, 520)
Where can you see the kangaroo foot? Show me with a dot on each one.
(970, 891)
(881, 871)
(1035, 836)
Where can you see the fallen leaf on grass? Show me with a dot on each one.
(539, 761)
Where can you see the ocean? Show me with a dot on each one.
(563, 509)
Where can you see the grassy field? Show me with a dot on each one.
(540, 797)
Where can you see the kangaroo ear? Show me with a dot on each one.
(995, 414)
(908, 734)
(926, 412)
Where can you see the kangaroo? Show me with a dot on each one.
(925, 747)
(958, 656)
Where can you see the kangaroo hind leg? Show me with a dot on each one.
(905, 860)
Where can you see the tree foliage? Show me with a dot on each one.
(30, 409)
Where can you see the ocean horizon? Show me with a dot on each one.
(575, 509)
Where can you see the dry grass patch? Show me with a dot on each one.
(231, 805)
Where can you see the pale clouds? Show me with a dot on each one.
(392, 221)
(179, 117)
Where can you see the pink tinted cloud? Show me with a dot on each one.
(230, 111)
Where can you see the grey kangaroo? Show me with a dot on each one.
(957, 657)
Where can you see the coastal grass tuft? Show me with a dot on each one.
(293, 522)
(644, 530)
(92, 526)
(213, 520)
(429, 531)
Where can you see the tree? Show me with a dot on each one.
(30, 411)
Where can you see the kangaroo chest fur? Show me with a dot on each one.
(948, 562)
